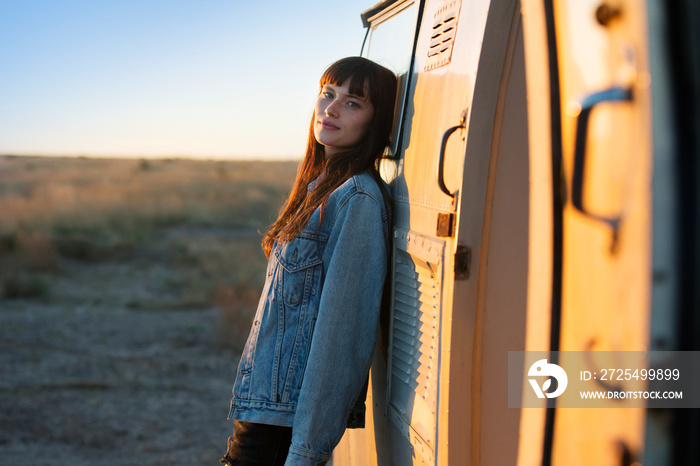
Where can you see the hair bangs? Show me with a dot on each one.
(357, 71)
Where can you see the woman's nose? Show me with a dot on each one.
(332, 109)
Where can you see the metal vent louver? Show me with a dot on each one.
(415, 338)
(442, 35)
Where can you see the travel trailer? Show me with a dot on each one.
(545, 175)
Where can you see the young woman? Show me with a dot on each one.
(303, 373)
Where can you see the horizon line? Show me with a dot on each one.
(212, 158)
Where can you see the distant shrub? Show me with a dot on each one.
(26, 285)
(7, 242)
(236, 306)
(35, 250)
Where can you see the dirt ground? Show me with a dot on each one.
(88, 378)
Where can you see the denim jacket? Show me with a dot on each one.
(306, 360)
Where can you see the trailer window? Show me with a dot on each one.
(390, 43)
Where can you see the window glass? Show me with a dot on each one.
(390, 44)
(391, 40)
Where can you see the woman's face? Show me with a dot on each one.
(341, 119)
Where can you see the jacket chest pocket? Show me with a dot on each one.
(301, 259)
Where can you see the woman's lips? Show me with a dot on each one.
(326, 125)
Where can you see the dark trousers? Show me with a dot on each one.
(257, 445)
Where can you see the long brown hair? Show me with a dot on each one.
(364, 76)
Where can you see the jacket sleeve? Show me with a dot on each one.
(345, 331)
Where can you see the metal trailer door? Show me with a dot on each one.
(428, 192)
(461, 129)
(587, 62)
(462, 122)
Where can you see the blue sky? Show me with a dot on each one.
(198, 78)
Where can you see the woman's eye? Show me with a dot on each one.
(353, 104)
(327, 95)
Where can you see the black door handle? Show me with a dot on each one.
(441, 160)
(614, 94)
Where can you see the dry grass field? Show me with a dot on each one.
(126, 290)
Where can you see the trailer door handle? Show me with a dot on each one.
(441, 160)
(614, 94)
